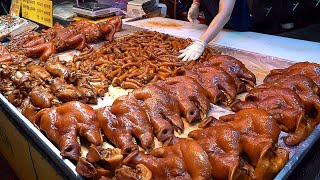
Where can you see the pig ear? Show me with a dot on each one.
(207, 122)
(145, 172)
(130, 156)
(37, 118)
(234, 171)
(108, 31)
(226, 118)
(85, 168)
(160, 152)
(237, 105)
(195, 134)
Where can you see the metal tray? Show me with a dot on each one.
(67, 169)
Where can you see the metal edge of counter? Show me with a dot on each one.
(38, 141)
(299, 154)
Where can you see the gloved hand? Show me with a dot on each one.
(193, 51)
(194, 13)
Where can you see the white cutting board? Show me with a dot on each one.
(276, 46)
(174, 27)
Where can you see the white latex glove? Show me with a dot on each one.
(193, 13)
(193, 51)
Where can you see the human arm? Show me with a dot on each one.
(193, 12)
(221, 19)
(195, 50)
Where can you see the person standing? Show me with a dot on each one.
(232, 14)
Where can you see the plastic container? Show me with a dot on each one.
(106, 2)
(122, 4)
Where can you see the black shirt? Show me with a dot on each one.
(240, 17)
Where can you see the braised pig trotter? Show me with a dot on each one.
(174, 162)
(244, 79)
(192, 98)
(61, 125)
(162, 109)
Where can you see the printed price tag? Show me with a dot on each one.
(39, 11)
(15, 7)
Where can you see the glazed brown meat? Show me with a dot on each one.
(285, 106)
(62, 124)
(43, 51)
(25, 81)
(98, 153)
(56, 38)
(61, 131)
(110, 27)
(6, 58)
(15, 97)
(108, 31)
(192, 98)
(130, 120)
(307, 68)
(4, 54)
(254, 120)
(222, 144)
(35, 41)
(109, 123)
(94, 32)
(116, 21)
(46, 35)
(64, 91)
(127, 109)
(42, 97)
(174, 162)
(133, 61)
(87, 123)
(162, 108)
(55, 68)
(140, 172)
(18, 42)
(305, 87)
(88, 93)
(59, 38)
(243, 78)
(28, 109)
(266, 158)
(67, 38)
(85, 168)
(3, 50)
(90, 31)
(39, 72)
(49, 34)
(259, 133)
(99, 162)
(218, 84)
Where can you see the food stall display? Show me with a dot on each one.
(163, 128)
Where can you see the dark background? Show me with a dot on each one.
(4, 6)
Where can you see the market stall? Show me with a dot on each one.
(84, 74)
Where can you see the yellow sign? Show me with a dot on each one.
(15, 7)
(39, 11)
